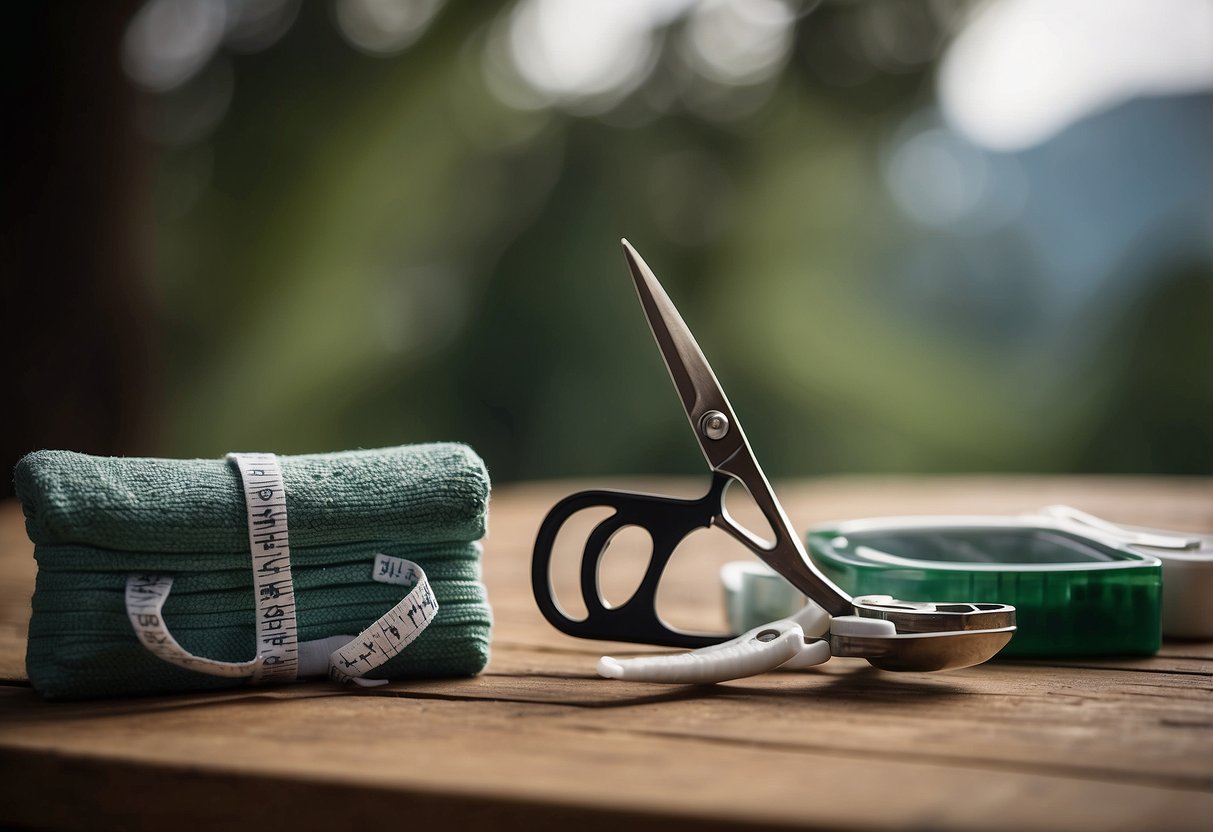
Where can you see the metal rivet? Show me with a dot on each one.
(714, 424)
(767, 636)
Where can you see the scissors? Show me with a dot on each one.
(890, 634)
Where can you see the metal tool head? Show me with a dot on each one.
(706, 406)
(928, 636)
(728, 452)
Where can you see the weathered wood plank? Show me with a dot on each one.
(692, 763)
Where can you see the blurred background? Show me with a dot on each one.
(918, 236)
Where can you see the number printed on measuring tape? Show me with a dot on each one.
(393, 570)
(269, 541)
(392, 632)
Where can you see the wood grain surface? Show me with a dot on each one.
(539, 741)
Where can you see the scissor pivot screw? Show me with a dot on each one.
(714, 424)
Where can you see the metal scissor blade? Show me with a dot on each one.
(724, 443)
(692, 375)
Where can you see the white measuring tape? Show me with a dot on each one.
(392, 632)
(280, 655)
(274, 588)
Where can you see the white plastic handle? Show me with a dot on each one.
(858, 625)
(757, 651)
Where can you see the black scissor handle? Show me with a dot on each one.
(668, 520)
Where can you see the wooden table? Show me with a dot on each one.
(538, 740)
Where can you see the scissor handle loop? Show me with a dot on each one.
(668, 520)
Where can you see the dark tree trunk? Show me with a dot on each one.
(81, 357)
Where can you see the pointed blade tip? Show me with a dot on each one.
(635, 262)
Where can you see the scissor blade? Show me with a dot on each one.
(693, 377)
(729, 453)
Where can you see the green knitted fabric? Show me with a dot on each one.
(96, 520)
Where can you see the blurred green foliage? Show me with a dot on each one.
(370, 251)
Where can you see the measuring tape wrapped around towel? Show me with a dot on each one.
(171, 575)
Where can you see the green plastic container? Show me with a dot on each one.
(1074, 595)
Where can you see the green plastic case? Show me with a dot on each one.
(1073, 594)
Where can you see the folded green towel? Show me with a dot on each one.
(414, 494)
(96, 520)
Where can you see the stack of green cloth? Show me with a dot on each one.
(96, 520)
